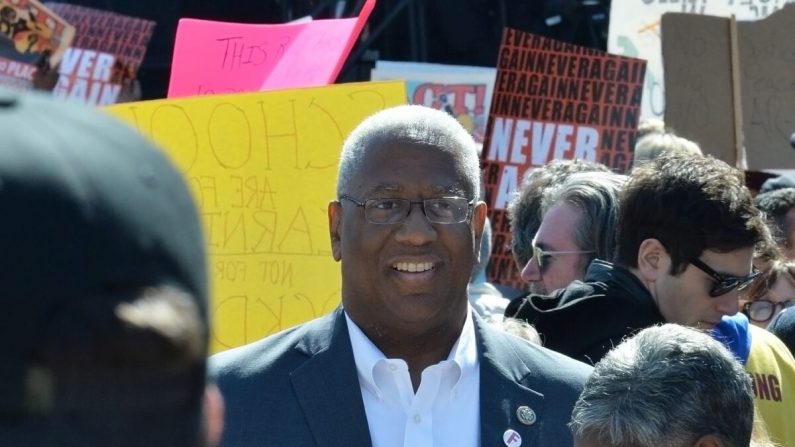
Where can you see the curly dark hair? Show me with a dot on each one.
(690, 204)
(776, 204)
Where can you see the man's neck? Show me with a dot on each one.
(637, 274)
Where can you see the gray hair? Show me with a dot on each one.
(524, 211)
(655, 144)
(415, 124)
(596, 196)
(666, 387)
(515, 327)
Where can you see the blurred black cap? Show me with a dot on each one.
(86, 205)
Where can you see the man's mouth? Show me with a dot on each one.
(413, 267)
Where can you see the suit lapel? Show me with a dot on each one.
(327, 387)
(504, 388)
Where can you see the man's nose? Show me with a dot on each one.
(531, 272)
(728, 303)
(416, 229)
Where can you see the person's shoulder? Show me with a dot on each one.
(770, 346)
(554, 364)
(272, 352)
(529, 306)
(542, 363)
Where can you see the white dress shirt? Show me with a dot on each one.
(445, 411)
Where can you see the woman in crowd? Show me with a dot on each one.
(771, 293)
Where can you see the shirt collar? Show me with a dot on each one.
(366, 355)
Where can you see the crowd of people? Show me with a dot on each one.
(658, 311)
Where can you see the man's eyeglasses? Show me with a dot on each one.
(543, 257)
(444, 210)
(724, 283)
(763, 310)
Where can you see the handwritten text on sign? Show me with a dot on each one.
(217, 57)
(263, 168)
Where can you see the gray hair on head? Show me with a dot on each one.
(413, 124)
(666, 387)
(524, 211)
(655, 144)
(596, 196)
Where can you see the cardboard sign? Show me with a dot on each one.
(635, 32)
(216, 57)
(102, 62)
(553, 100)
(263, 168)
(462, 91)
(708, 98)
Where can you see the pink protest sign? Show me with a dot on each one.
(219, 57)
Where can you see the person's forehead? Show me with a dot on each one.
(387, 187)
(396, 164)
(734, 263)
(781, 290)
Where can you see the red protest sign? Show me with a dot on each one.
(553, 100)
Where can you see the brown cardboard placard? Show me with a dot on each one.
(767, 55)
(698, 95)
(697, 55)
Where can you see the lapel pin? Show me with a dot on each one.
(526, 415)
(511, 438)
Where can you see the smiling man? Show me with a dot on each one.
(686, 234)
(404, 361)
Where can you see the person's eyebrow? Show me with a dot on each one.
(452, 189)
(391, 188)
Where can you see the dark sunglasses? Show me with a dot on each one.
(724, 283)
(543, 257)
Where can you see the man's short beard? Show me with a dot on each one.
(537, 288)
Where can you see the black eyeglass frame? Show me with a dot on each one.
(773, 307)
(724, 283)
(363, 204)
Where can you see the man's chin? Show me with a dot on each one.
(537, 288)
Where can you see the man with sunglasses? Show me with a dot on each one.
(686, 234)
(578, 225)
(525, 211)
(405, 361)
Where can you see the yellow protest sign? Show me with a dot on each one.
(262, 167)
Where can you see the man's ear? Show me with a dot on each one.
(653, 259)
(478, 222)
(335, 228)
(709, 441)
(213, 408)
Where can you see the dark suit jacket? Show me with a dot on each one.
(300, 388)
